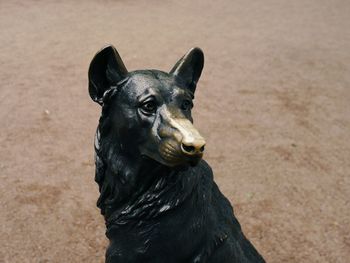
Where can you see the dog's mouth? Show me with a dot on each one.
(173, 155)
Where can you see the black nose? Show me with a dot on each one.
(193, 148)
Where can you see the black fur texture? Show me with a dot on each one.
(160, 204)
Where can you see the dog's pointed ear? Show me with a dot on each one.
(106, 70)
(189, 68)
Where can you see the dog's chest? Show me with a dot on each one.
(173, 227)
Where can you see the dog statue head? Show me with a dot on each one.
(148, 111)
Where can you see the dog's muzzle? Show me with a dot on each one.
(190, 140)
(180, 141)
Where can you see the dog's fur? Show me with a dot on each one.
(159, 201)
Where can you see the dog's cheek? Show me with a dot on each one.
(137, 128)
(144, 122)
(148, 131)
(125, 118)
(125, 123)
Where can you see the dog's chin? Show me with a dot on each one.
(174, 161)
(194, 160)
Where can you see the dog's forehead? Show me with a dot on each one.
(153, 82)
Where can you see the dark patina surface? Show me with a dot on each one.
(157, 195)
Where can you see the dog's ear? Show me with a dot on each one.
(106, 70)
(189, 68)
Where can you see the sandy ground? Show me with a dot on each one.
(273, 103)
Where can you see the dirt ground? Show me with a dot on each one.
(273, 103)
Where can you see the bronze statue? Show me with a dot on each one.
(157, 195)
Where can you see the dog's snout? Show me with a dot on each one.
(190, 142)
(193, 148)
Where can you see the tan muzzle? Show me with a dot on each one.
(192, 143)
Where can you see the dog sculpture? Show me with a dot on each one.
(157, 195)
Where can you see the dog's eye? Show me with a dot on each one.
(149, 107)
(186, 105)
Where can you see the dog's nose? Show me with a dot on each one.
(193, 148)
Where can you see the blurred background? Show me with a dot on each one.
(273, 103)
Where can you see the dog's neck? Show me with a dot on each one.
(164, 190)
(135, 189)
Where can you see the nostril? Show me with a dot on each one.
(188, 148)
